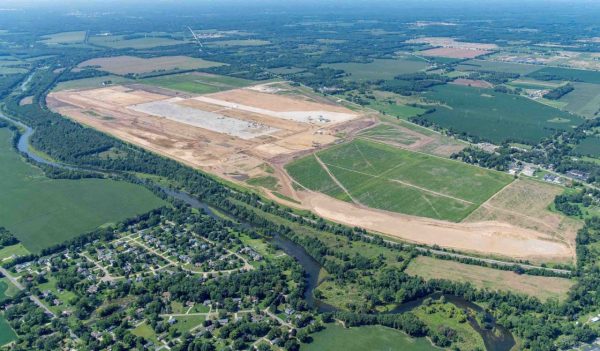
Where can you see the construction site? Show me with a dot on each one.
(236, 134)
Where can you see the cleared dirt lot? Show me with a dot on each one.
(218, 150)
(524, 203)
(484, 237)
(216, 135)
(136, 65)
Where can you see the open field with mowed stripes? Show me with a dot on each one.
(388, 178)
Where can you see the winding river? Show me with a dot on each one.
(496, 338)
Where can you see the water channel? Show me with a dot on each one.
(496, 338)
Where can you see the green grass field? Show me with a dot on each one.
(558, 73)
(64, 38)
(16, 250)
(381, 68)
(496, 66)
(42, 212)
(145, 331)
(584, 100)
(374, 338)
(396, 110)
(496, 116)
(590, 146)
(6, 333)
(268, 182)
(119, 42)
(389, 178)
(440, 314)
(197, 83)
(185, 323)
(6, 289)
(310, 174)
(390, 133)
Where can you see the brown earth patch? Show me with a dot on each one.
(525, 203)
(473, 83)
(485, 237)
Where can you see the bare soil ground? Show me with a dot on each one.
(473, 83)
(525, 203)
(231, 142)
(28, 100)
(484, 237)
(482, 277)
(130, 64)
(238, 159)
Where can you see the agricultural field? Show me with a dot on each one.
(574, 75)
(376, 338)
(197, 83)
(389, 178)
(121, 42)
(584, 100)
(122, 65)
(488, 278)
(13, 65)
(381, 68)
(64, 209)
(7, 335)
(495, 116)
(590, 146)
(497, 66)
(63, 38)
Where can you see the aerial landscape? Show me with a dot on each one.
(308, 175)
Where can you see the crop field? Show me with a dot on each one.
(122, 65)
(497, 66)
(197, 83)
(376, 338)
(120, 42)
(42, 212)
(590, 146)
(584, 100)
(487, 278)
(64, 38)
(575, 75)
(7, 335)
(381, 68)
(388, 178)
(496, 117)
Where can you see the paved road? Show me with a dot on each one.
(35, 300)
